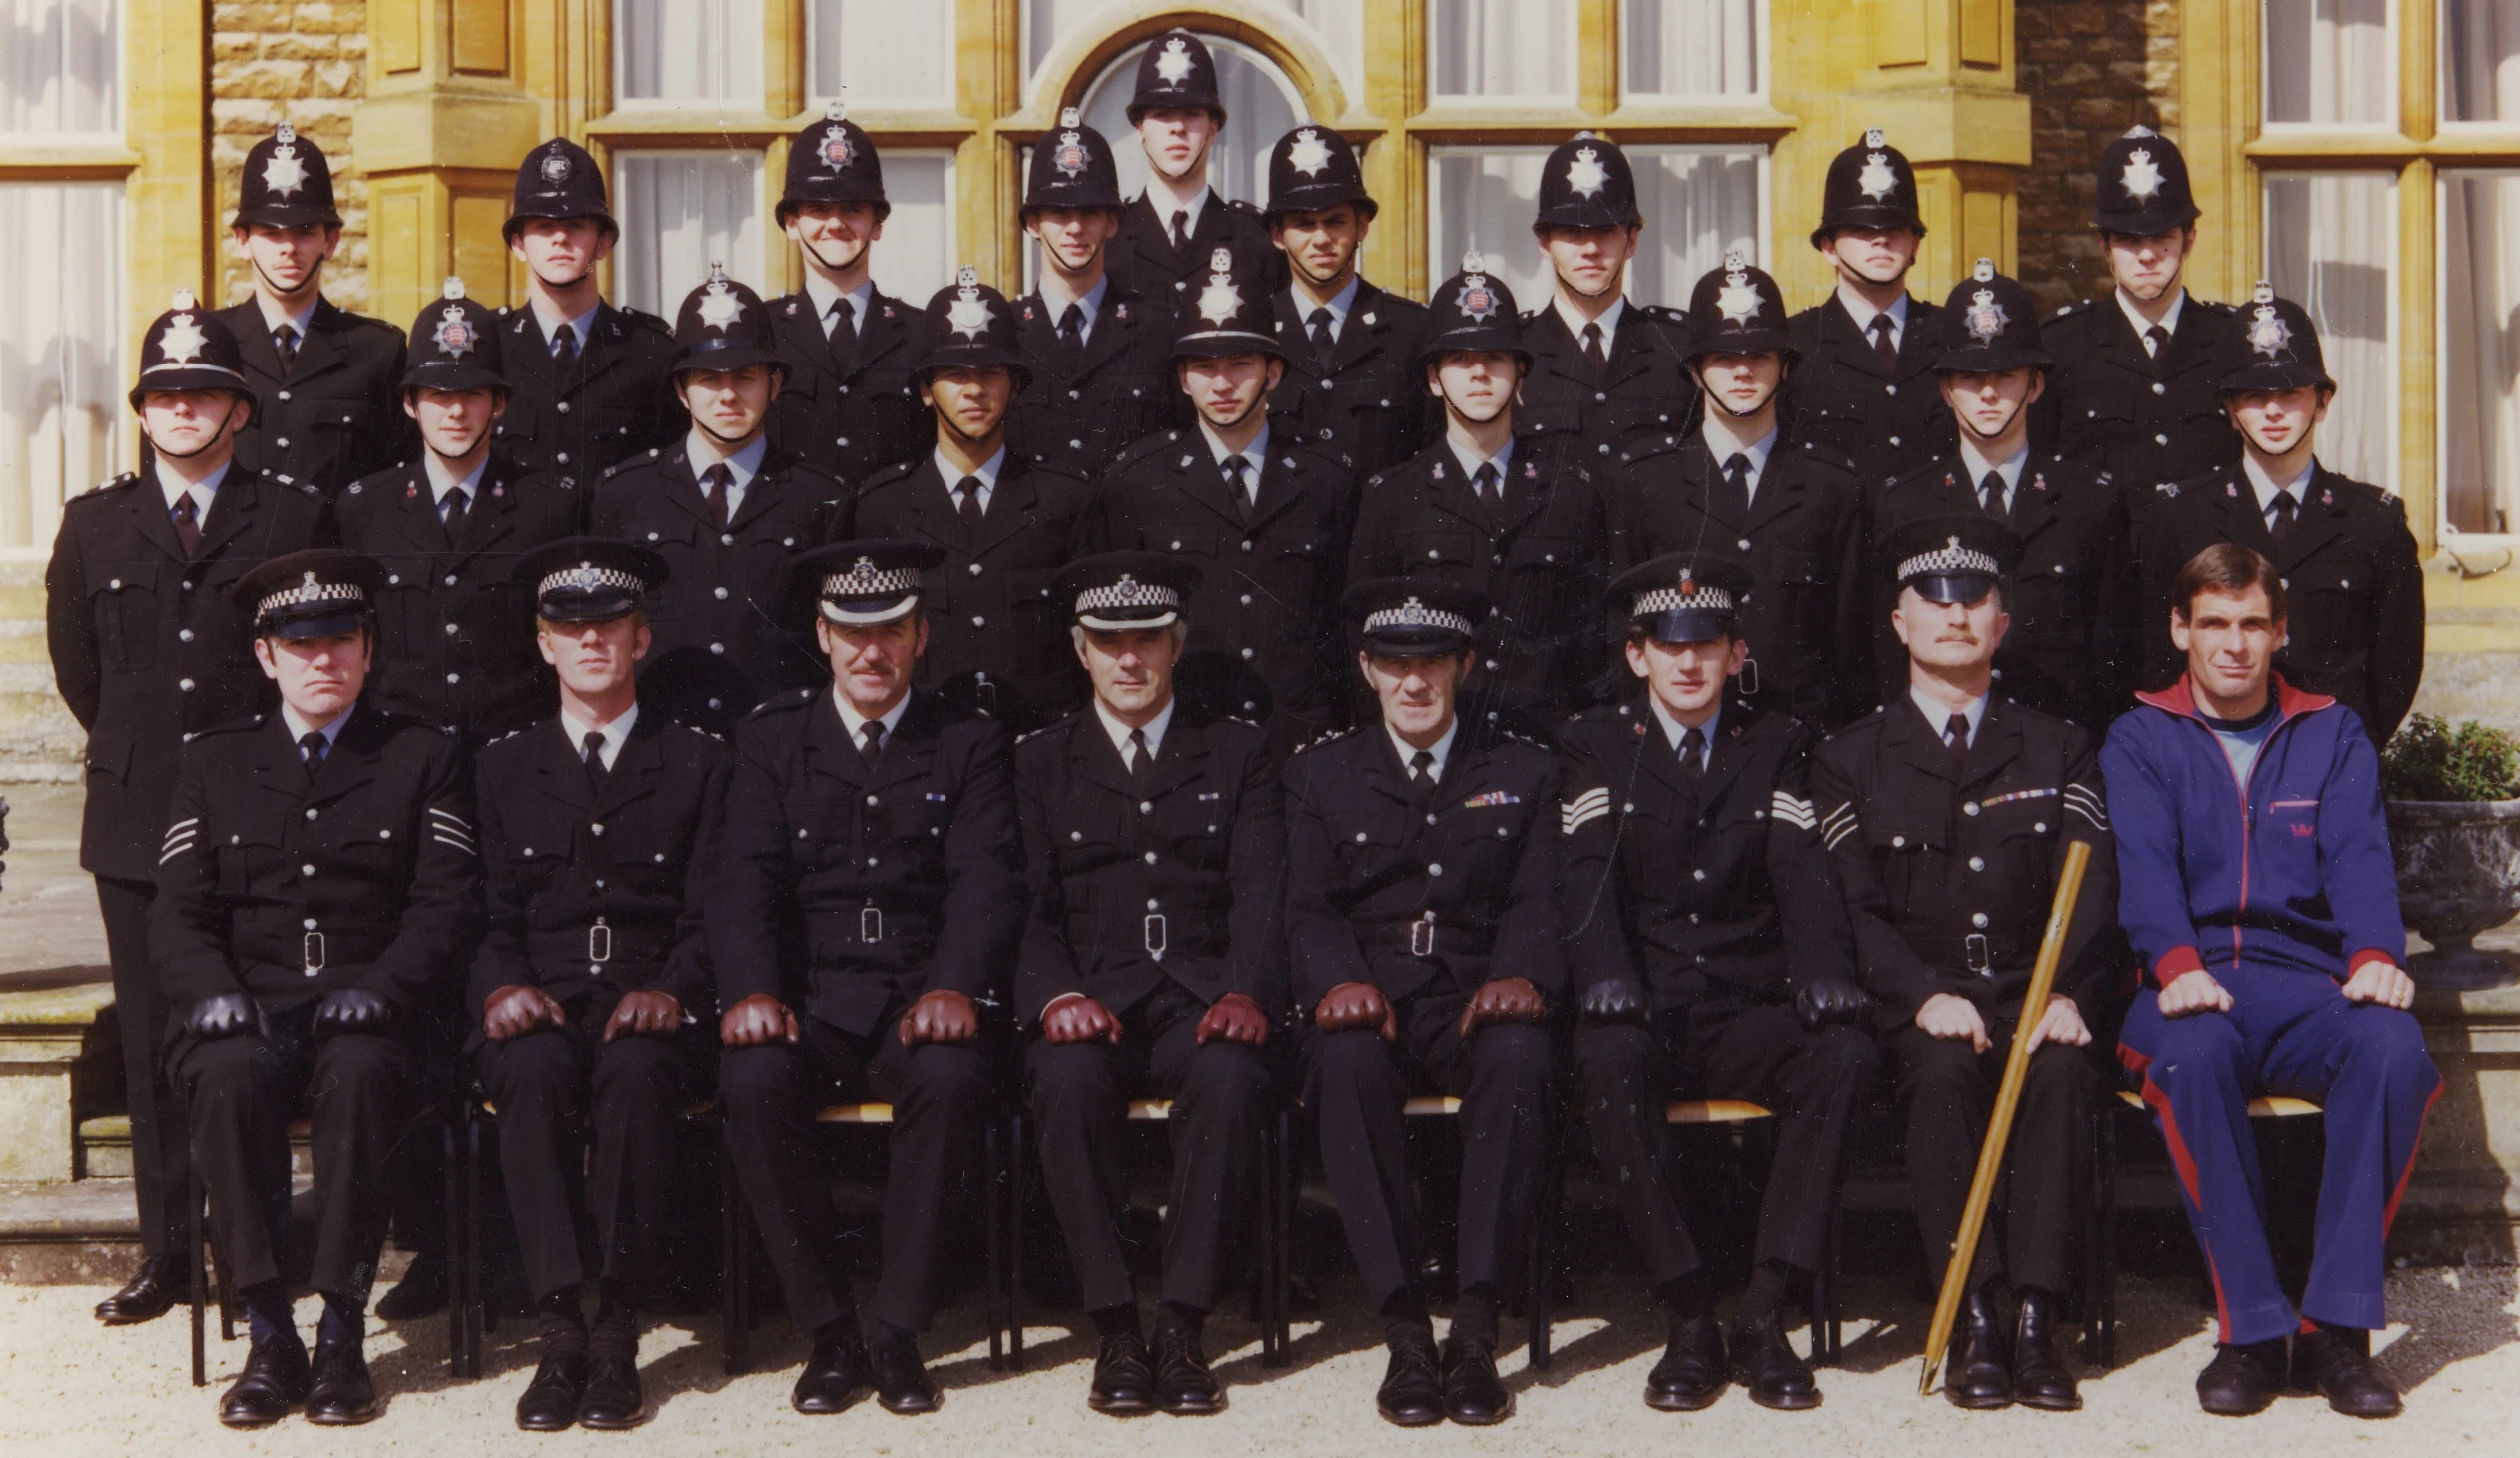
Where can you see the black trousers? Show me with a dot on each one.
(161, 1151)
(1948, 1090)
(940, 1094)
(358, 1089)
(1081, 1094)
(559, 1089)
(1813, 1080)
(1355, 1083)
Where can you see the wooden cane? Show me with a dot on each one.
(1999, 1128)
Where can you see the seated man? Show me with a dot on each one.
(1702, 979)
(597, 829)
(317, 893)
(1422, 917)
(872, 829)
(1155, 840)
(2271, 941)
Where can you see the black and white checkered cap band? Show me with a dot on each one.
(1948, 561)
(1127, 592)
(311, 593)
(866, 580)
(587, 577)
(1672, 599)
(1416, 615)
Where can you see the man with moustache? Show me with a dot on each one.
(147, 652)
(325, 380)
(1168, 233)
(847, 403)
(1861, 389)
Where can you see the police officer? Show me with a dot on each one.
(2356, 628)
(848, 404)
(729, 512)
(319, 887)
(873, 827)
(1260, 515)
(455, 637)
(1101, 352)
(1862, 388)
(1516, 516)
(2071, 651)
(1005, 523)
(1351, 385)
(1736, 980)
(1171, 229)
(1948, 814)
(1737, 487)
(589, 381)
(1605, 370)
(589, 992)
(327, 379)
(2132, 392)
(1423, 923)
(1153, 963)
(147, 651)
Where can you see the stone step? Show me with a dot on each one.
(105, 1149)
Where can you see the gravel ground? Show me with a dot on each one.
(68, 1386)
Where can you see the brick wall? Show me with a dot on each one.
(304, 64)
(2092, 69)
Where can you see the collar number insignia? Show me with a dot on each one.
(1877, 180)
(1986, 317)
(1308, 153)
(1585, 174)
(1174, 64)
(1739, 302)
(455, 333)
(969, 312)
(183, 341)
(285, 172)
(835, 149)
(2141, 178)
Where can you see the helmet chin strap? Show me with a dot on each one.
(1718, 400)
(1987, 435)
(1258, 401)
(827, 262)
(955, 427)
(214, 437)
(720, 436)
(1465, 417)
(315, 276)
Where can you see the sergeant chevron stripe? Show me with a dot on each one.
(2088, 803)
(1839, 824)
(1591, 805)
(1796, 812)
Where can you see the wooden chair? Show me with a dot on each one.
(1741, 1115)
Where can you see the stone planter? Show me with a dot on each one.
(2458, 874)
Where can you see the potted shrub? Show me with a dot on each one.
(2454, 828)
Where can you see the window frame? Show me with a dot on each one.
(1474, 101)
(2391, 108)
(1761, 13)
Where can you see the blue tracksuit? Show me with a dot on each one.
(2280, 888)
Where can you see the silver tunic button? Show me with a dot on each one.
(564, 408)
(869, 798)
(718, 648)
(1898, 840)
(1434, 870)
(311, 812)
(184, 636)
(1968, 809)
(2159, 388)
(979, 622)
(185, 684)
(1151, 857)
(721, 592)
(1977, 918)
(307, 870)
(975, 567)
(450, 630)
(1977, 863)
(454, 678)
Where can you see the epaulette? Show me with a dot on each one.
(888, 474)
(642, 317)
(231, 726)
(1670, 443)
(1333, 737)
(1530, 314)
(782, 703)
(705, 733)
(1242, 205)
(503, 311)
(100, 487)
(1664, 311)
(1869, 721)
(1143, 447)
(2217, 305)
(1239, 719)
(1037, 733)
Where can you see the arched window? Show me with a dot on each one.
(1261, 104)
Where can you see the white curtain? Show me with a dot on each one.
(882, 51)
(916, 256)
(1260, 103)
(1696, 205)
(1501, 48)
(1691, 47)
(688, 52)
(1338, 26)
(2480, 351)
(680, 211)
(64, 426)
(2329, 62)
(61, 66)
(2330, 242)
(2480, 61)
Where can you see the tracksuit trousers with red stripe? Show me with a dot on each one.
(2288, 1034)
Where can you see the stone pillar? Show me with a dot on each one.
(43, 1036)
(303, 64)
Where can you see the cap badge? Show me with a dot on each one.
(969, 312)
(1173, 65)
(1585, 174)
(1308, 153)
(285, 173)
(455, 335)
(1877, 180)
(1739, 302)
(1221, 296)
(721, 305)
(1477, 301)
(1986, 317)
(2141, 178)
(556, 167)
(183, 341)
(2269, 334)
(1072, 156)
(836, 150)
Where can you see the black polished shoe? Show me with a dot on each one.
(1412, 1394)
(1474, 1395)
(550, 1402)
(1123, 1378)
(836, 1375)
(2041, 1379)
(422, 1291)
(901, 1380)
(1184, 1384)
(152, 1289)
(2338, 1365)
(1692, 1373)
(1976, 1372)
(2241, 1380)
(274, 1381)
(613, 1397)
(343, 1395)
(1764, 1361)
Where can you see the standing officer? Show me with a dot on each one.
(598, 831)
(2134, 392)
(1862, 389)
(1421, 905)
(589, 382)
(1948, 813)
(1790, 510)
(455, 639)
(729, 513)
(872, 828)
(1351, 386)
(848, 404)
(1169, 232)
(1005, 523)
(1516, 517)
(327, 380)
(318, 885)
(1262, 518)
(2070, 651)
(2356, 629)
(1703, 981)
(1153, 963)
(1100, 352)
(147, 652)
(1605, 370)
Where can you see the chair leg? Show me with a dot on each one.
(1264, 1301)
(2101, 1334)
(474, 1272)
(458, 1193)
(1016, 1170)
(199, 1276)
(736, 1278)
(1827, 1334)
(1543, 1222)
(994, 1177)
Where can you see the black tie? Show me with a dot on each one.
(458, 503)
(871, 742)
(1072, 329)
(188, 524)
(1421, 769)
(1181, 230)
(2287, 510)
(968, 488)
(595, 771)
(843, 331)
(1318, 324)
(1485, 485)
(1141, 756)
(311, 745)
(1884, 348)
(1956, 735)
(1991, 496)
(1592, 353)
(714, 483)
(1234, 467)
(1693, 752)
(2156, 340)
(285, 341)
(1736, 475)
(564, 352)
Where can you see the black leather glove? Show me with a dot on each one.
(1831, 1000)
(220, 1014)
(1616, 1000)
(351, 1010)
